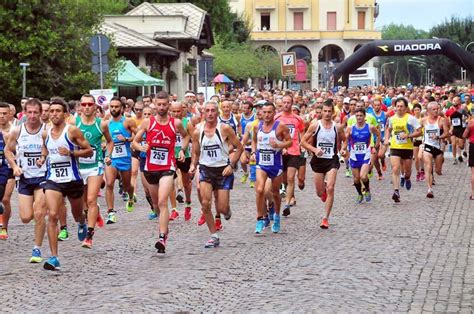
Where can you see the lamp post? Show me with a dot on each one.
(24, 65)
(381, 69)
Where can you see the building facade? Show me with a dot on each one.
(321, 32)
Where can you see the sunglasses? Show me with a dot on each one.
(137, 109)
(87, 104)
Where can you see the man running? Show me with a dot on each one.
(160, 164)
(401, 130)
(122, 130)
(435, 129)
(63, 144)
(247, 116)
(458, 117)
(323, 138)
(6, 174)
(92, 168)
(211, 141)
(379, 159)
(359, 138)
(271, 137)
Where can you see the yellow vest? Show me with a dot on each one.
(400, 126)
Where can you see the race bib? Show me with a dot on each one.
(266, 158)
(179, 140)
(120, 150)
(31, 159)
(291, 128)
(60, 171)
(328, 150)
(382, 127)
(360, 148)
(213, 153)
(159, 156)
(400, 140)
(89, 160)
(456, 121)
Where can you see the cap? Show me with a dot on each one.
(189, 94)
(347, 100)
(261, 103)
(296, 107)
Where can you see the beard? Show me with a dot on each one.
(115, 114)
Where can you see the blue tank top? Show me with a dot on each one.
(267, 156)
(3, 160)
(244, 121)
(382, 121)
(359, 143)
(232, 122)
(121, 149)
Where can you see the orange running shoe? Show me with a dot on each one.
(1, 220)
(4, 234)
(100, 221)
(324, 223)
(218, 224)
(202, 220)
(174, 214)
(384, 167)
(87, 243)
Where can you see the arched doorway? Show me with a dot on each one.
(329, 57)
(303, 61)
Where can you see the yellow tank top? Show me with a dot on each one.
(399, 127)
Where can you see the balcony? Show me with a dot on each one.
(276, 35)
(361, 34)
(362, 4)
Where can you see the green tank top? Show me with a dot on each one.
(93, 134)
(179, 141)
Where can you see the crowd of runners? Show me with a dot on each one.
(60, 155)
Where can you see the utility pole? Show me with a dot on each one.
(24, 65)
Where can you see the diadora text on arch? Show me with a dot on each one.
(417, 47)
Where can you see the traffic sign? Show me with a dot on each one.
(99, 44)
(288, 63)
(97, 68)
(102, 96)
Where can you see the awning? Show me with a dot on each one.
(222, 78)
(130, 75)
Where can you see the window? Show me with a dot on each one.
(298, 21)
(331, 21)
(361, 20)
(265, 21)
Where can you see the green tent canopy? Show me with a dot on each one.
(130, 75)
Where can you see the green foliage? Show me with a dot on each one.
(241, 61)
(53, 37)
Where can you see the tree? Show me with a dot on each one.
(53, 37)
(461, 31)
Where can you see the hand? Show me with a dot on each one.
(273, 143)
(403, 136)
(192, 170)
(386, 142)
(284, 151)
(144, 148)
(227, 171)
(181, 156)
(381, 153)
(318, 152)
(17, 171)
(373, 150)
(343, 152)
(107, 160)
(63, 151)
(120, 137)
(40, 162)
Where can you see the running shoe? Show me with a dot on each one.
(267, 221)
(1, 220)
(52, 264)
(271, 211)
(218, 224)
(430, 194)
(87, 243)
(130, 207)
(402, 181)
(408, 184)
(81, 231)
(212, 242)
(135, 199)
(422, 175)
(359, 198)
(368, 196)
(228, 215)
(324, 224)
(125, 196)
(380, 177)
(187, 213)
(324, 196)
(286, 210)
(63, 235)
(276, 224)
(202, 220)
(100, 221)
(251, 184)
(348, 173)
(282, 190)
(464, 153)
(174, 214)
(460, 159)
(455, 162)
(418, 174)
(260, 226)
(4, 234)
(244, 178)
(301, 186)
(371, 174)
(160, 245)
(180, 197)
(152, 215)
(36, 256)
(396, 197)
(120, 191)
(111, 217)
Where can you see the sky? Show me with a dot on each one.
(422, 14)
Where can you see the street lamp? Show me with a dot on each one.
(381, 69)
(24, 65)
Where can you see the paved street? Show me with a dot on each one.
(417, 256)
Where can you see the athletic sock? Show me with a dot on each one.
(64, 227)
(110, 210)
(358, 187)
(90, 232)
(36, 247)
(260, 218)
(366, 184)
(214, 235)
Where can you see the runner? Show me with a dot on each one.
(247, 116)
(271, 137)
(160, 164)
(379, 160)
(359, 138)
(323, 138)
(469, 134)
(62, 145)
(138, 118)
(92, 168)
(122, 130)
(211, 141)
(435, 129)
(7, 181)
(458, 117)
(291, 156)
(401, 130)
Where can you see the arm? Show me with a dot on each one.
(388, 132)
(466, 133)
(347, 133)
(307, 139)
(342, 139)
(185, 135)
(196, 151)
(137, 140)
(10, 149)
(375, 130)
(239, 149)
(254, 143)
(108, 140)
(282, 131)
(76, 136)
(44, 151)
(445, 134)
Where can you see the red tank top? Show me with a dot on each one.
(161, 140)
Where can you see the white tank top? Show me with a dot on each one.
(29, 152)
(325, 139)
(432, 134)
(214, 151)
(61, 169)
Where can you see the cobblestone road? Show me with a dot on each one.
(417, 256)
